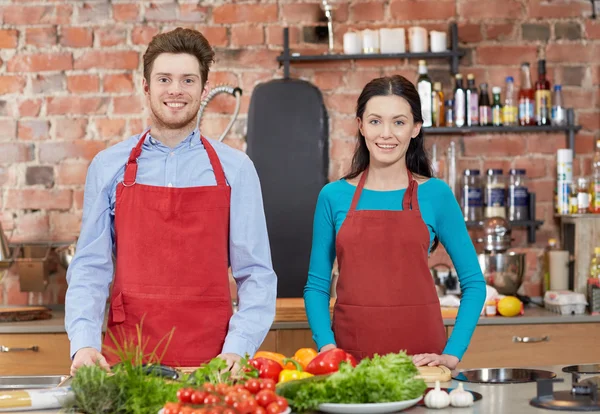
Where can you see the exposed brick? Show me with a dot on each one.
(592, 29)
(356, 80)
(110, 128)
(90, 12)
(8, 108)
(40, 62)
(367, 11)
(71, 173)
(545, 143)
(78, 199)
(11, 84)
(65, 225)
(490, 9)
(193, 13)
(328, 80)
(345, 128)
(127, 105)
(33, 130)
(507, 55)
(118, 83)
(40, 175)
(128, 12)
(8, 129)
(76, 37)
(543, 189)
(505, 145)
(47, 14)
(39, 199)
(590, 120)
(342, 149)
(43, 84)
(53, 152)
(67, 105)
(535, 31)
(500, 31)
(314, 34)
(83, 83)
(247, 34)
(469, 32)
(275, 35)
(242, 58)
(422, 10)
(301, 12)
(9, 39)
(161, 12)
(41, 36)
(12, 286)
(245, 13)
(13, 152)
(578, 98)
(108, 60)
(30, 107)
(216, 35)
(111, 36)
(571, 53)
(341, 103)
(567, 30)
(584, 144)
(573, 75)
(249, 79)
(557, 9)
(142, 35)
(69, 129)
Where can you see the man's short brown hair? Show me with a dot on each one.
(180, 40)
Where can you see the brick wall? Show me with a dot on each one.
(70, 80)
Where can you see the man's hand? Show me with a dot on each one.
(88, 356)
(327, 347)
(233, 362)
(433, 360)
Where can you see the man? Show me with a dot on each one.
(175, 210)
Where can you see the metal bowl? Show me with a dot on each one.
(66, 254)
(503, 271)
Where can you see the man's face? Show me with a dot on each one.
(175, 90)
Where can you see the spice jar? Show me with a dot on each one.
(495, 194)
(472, 196)
(518, 196)
(583, 195)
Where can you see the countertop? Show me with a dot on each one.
(296, 319)
(497, 399)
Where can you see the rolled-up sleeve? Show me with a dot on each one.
(251, 265)
(90, 273)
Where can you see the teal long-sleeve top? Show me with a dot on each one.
(443, 217)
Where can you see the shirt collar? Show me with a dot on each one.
(190, 141)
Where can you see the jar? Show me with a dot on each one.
(572, 193)
(495, 194)
(472, 196)
(518, 196)
(583, 195)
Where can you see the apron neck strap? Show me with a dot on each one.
(214, 162)
(409, 195)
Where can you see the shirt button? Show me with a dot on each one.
(169, 185)
(172, 154)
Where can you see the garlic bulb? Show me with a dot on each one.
(437, 398)
(461, 398)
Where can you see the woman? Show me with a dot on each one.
(381, 221)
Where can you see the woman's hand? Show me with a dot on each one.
(433, 360)
(327, 348)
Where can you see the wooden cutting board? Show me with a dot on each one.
(24, 313)
(433, 374)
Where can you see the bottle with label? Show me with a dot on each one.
(485, 107)
(425, 87)
(472, 101)
(526, 98)
(472, 196)
(459, 102)
(510, 113)
(552, 245)
(583, 195)
(450, 113)
(564, 179)
(495, 194)
(542, 96)
(496, 107)
(559, 115)
(595, 181)
(518, 196)
(439, 108)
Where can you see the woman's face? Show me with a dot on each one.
(387, 125)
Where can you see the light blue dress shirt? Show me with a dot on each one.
(187, 165)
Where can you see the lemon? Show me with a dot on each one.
(509, 306)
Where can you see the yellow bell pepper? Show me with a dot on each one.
(274, 356)
(292, 374)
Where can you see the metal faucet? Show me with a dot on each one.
(327, 9)
(230, 90)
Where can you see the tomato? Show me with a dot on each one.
(208, 387)
(211, 399)
(186, 410)
(238, 387)
(274, 408)
(184, 395)
(215, 410)
(230, 398)
(229, 411)
(198, 397)
(265, 397)
(251, 404)
(199, 411)
(252, 385)
(259, 410)
(222, 388)
(282, 402)
(171, 408)
(267, 384)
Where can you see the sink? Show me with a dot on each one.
(20, 382)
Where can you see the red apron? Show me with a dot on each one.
(386, 298)
(171, 270)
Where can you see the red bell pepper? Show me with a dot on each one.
(329, 362)
(267, 368)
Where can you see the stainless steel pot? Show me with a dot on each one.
(503, 271)
(496, 234)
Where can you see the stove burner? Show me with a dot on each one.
(582, 397)
(503, 375)
(583, 369)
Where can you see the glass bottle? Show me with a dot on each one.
(496, 107)
(526, 98)
(510, 112)
(542, 96)
(485, 107)
(459, 102)
(425, 87)
(583, 195)
(439, 108)
(472, 101)
(450, 113)
(559, 115)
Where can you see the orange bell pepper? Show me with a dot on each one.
(274, 356)
(303, 356)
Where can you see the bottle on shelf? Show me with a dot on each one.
(472, 195)
(496, 107)
(472, 101)
(485, 107)
(552, 245)
(438, 113)
(595, 264)
(526, 98)
(425, 88)
(518, 196)
(559, 116)
(510, 113)
(595, 180)
(542, 96)
(583, 195)
(459, 102)
(449, 112)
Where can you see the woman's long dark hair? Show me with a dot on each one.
(417, 159)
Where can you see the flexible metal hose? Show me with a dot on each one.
(219, 89)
